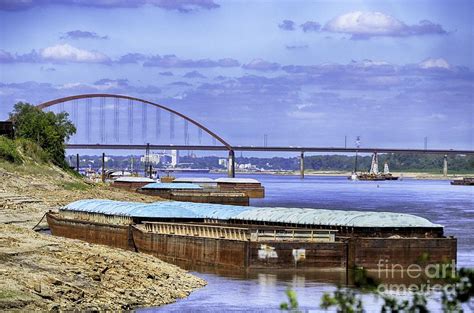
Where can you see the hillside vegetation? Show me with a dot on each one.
(48, 130)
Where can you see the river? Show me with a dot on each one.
(436, 200)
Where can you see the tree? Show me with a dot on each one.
(50, 131)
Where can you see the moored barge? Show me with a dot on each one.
(466, 181)
(256, 238)
(190, 192)
(251, 187)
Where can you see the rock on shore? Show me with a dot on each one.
(42, 272)
(39, 271)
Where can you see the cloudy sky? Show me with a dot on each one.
(303, 72)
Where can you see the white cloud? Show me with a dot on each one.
(307, 115)
(261, 65)
(358, 22)
(435, 63)
(68, 53)
(70, 85)
(370, 63)
(369, 24)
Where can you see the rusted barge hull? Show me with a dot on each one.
(119, 236)
(200, 196)
(240, 254)
(238, 251)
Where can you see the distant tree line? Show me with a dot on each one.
(397, 162)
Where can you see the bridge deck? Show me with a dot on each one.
(268, 149)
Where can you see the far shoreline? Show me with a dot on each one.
(410, 175)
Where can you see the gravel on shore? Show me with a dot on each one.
(43, 272)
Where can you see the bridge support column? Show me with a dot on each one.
(445, 165)
(103, 167)
(231, 164)
(77, 162)
(302, 165)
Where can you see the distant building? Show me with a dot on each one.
(152, 158)
(223, 162)
(174, 158)
(247, 166)
(6, 129)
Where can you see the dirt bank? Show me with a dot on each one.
(39, 271)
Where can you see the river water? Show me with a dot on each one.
(436, 200)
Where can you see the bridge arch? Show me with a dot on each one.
(54, 102)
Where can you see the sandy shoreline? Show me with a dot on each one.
(44, 272)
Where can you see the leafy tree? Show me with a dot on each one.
(50, 131)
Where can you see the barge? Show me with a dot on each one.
(251, 187)
(466, 181)
(244, 237)
(194, 193)
(131, 183)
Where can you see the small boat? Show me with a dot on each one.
(353, 176)
(370, 176)
(466, 181)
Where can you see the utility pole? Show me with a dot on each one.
(147, 159)
(231, 164)
(302, 165)
(445, 165)
(103, 167)
(357, 142)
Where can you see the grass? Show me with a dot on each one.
(31, 151)
(75, 186)
(38, 170)
(13, 295)
(20, 151)
(9, 151)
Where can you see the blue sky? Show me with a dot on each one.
(303, 72)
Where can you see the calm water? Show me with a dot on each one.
(436, 200)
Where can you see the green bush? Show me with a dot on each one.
(8, 151)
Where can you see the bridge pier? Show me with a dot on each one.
(445, 165)
(302, 165)
(77, 162)
(231, 164)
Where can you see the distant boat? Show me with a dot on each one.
(353, 176)
(386, 173)
(466, 181)
(374, 173)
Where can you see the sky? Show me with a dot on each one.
(305, 73)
